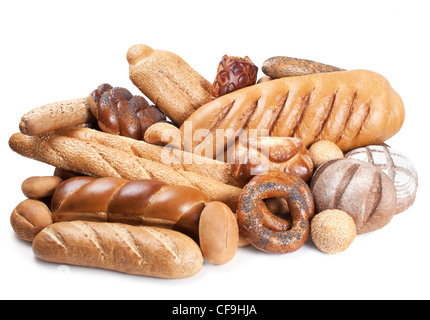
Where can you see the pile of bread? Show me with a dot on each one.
(156, 189)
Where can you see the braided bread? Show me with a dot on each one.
(119, 112)
(140, 202)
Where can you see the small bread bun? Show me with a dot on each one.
(333, 231)
(323, 151)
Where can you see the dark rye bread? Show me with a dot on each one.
(360, 189)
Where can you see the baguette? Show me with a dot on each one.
(97, 160)
(350, 108)
(145, 251)
(174, 158)
(56, 115)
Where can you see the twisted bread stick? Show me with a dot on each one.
(142, 202)
(98, 160)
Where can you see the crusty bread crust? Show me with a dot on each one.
(351, 108)
(97, 160)
(146, 251)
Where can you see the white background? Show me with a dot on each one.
(56, 50)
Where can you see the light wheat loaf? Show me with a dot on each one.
(101, 161)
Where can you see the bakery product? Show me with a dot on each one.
(56, 115)
(145, 251)
(140, 202)
(29, 217)
(168, 81)
(397, 166)
(351, 108)
(266, 231)
(119, 112)
(98, 160)
(281, 66)
(218, 233)
(233, 73)
(259, 155)
(359, 188)
(333, 231)
(323, 151)
(174, 158)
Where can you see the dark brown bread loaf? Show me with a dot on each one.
(360, 189)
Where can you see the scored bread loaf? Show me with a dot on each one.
(97, 160)
(351, 108)
(139, 250)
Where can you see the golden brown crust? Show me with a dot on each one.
(174, 158)
(98, 160)
(145, 251)
(141, 202)
(262, 154)
(37, 187)
(56, 115)
(266, 231)
(168, 81)
(29, 217)
(218, 233)
(280, 67)
(350, 108)
(164, 134)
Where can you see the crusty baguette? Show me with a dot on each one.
(56, 115)
(350, 108)
(174, 158)
(98, 160)
(146, 251)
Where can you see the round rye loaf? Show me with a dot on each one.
(359, 188)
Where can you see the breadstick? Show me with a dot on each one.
(56, 115)
(174, 158)
(101, 161)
